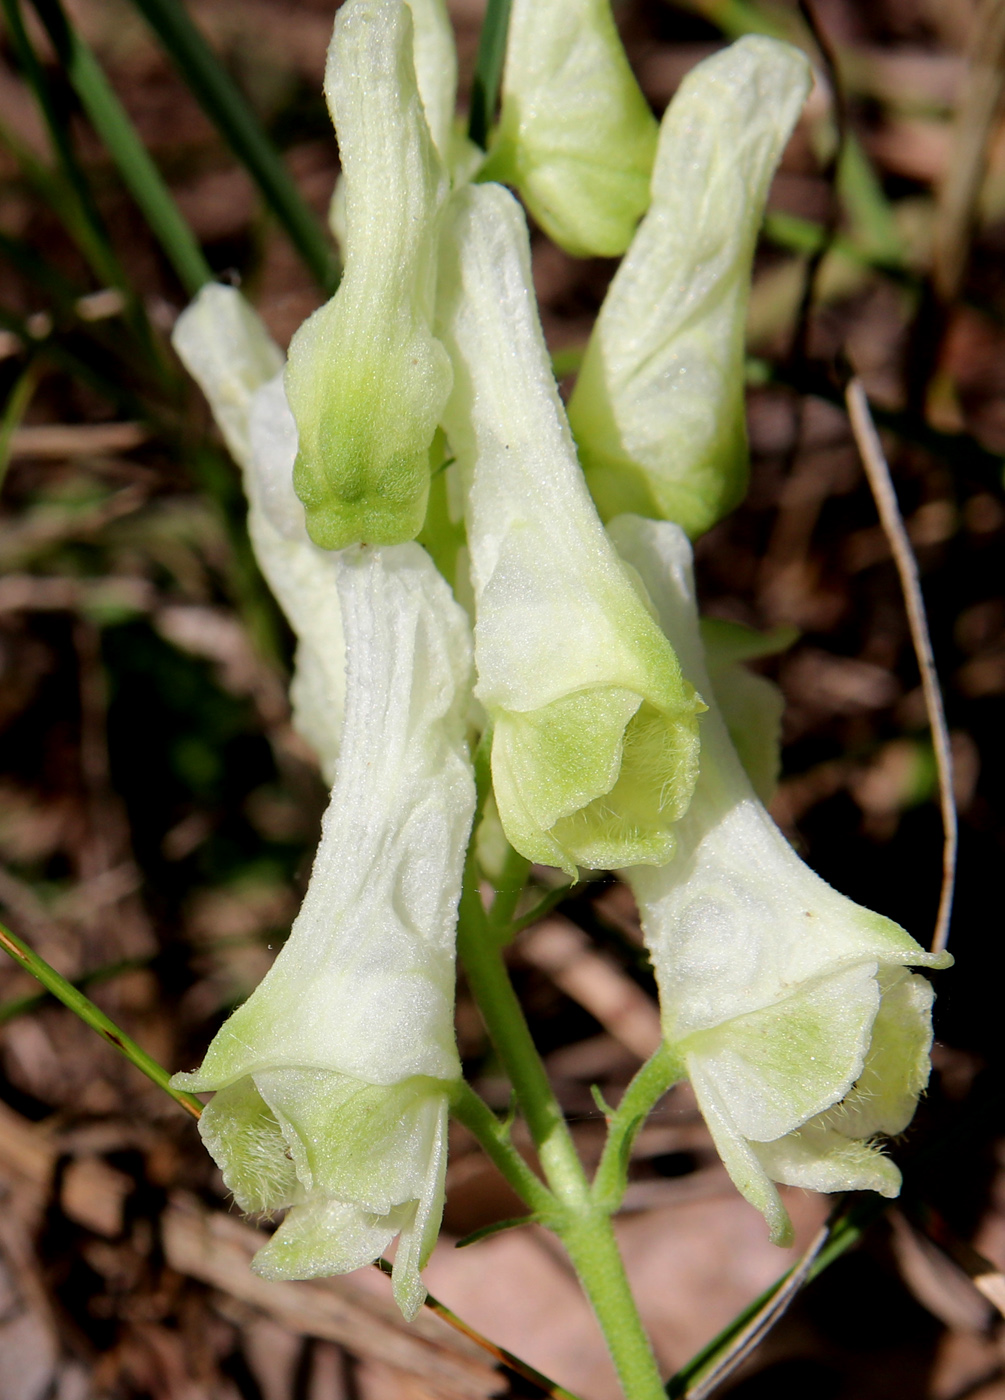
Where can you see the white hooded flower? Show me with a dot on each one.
(333, 1079)
(658, 408)
(227, 350)
(366, 378)
(789, 1007)
(594, 748)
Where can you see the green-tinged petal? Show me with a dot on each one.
(576, 136)
(788, 1002)
(325, 1237)
(736, 920)
(385, 1133)
(740, 1159)
(820, 1159)
(228, 351)
(364, 984)
(897, 1066)
(419, 1235)
(751, 705)
(303, 577)
(586, 694)
(777, 1067)
(658, 409)
(366, 379)
(243, 1136)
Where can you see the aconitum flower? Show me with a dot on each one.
(333, 1079)
(594, 746)
(789, 1007)
(366, 378)
(658, 409)
(227, 350)
(575, 136)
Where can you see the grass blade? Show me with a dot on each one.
(223, 104)
(94, 1017)
(13, 411)
(81, 216)
(112, 123)
(488, 71)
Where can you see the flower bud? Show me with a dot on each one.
(658, 410)
(366, 378)
(576, 136)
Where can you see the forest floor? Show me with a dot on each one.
(158, 813)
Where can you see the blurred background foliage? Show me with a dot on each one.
(158, 814)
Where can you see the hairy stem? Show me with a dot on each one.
(594, 1252)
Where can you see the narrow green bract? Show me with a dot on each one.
(801, 1030)
(595, 749)
(576, 136)
(658, 410)
(366, 378)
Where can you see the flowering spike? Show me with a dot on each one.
(333, 1078)
(801, 1031)
(366, 379)
(227, 350)
(658, 408)
(576, 136)
(594, 750)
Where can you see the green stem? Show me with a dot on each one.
(504, 1018)
(659, 1073)
(595, 1256)
(112, 123)
(92, 1016)
(472, 1110)
(19, 1006)
(583, 1226)
(508, 891)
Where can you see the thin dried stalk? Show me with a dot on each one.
(878, 472)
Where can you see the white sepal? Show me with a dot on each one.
(227, 350)
(594, 743)
(333, 1078)
(788, 1004)
(658, 410)
(366, 378)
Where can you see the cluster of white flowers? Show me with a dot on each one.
(420, 403)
